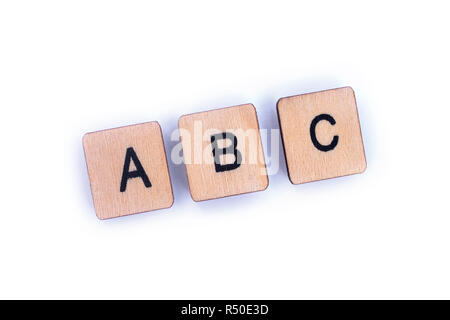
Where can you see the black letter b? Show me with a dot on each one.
(217, 152)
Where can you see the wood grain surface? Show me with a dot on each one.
(105, 158)
(305, 162)
(204, 181)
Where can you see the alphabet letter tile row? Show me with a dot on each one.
(223, 153)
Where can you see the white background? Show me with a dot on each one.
(70, 67)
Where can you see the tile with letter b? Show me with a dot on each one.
(223, 153)
(128, 171)
(321, 135)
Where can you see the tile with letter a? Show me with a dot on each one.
(223, 152)
(321, 135)
(127, 169)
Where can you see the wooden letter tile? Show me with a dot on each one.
(223, 152)
(321, 135)
(127, 169)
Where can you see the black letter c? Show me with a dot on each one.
(312, 131)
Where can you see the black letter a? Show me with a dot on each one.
(140, 172)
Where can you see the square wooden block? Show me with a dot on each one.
(127, 169)
(321, 135)
(223, 152)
